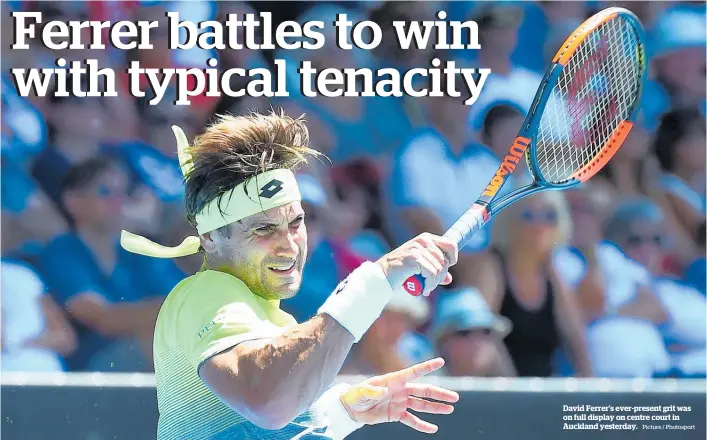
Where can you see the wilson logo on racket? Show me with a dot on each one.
(507, 166)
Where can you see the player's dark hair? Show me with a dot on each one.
(674, 126)
(236, 148)
(498, 113)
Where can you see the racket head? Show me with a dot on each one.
(588, 100)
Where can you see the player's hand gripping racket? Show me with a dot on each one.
(582, 112)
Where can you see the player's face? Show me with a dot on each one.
(267, 251)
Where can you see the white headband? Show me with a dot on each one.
(264, 191)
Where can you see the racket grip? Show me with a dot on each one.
(461, 231)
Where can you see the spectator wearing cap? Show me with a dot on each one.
(436, 176)
(35, 331)
(676, 50)
(637, 227)
(498, 36)
(469, 336)
(104, 288)
(679, 145)
(613, 292)
(391, 343)
(527, 290)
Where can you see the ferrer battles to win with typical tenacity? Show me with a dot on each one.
(229, 363)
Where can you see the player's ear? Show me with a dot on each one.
(208, 243)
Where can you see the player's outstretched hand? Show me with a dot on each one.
(428, 255)
(388, 398)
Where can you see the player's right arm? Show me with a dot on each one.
(271, 380)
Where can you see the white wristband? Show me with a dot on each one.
(359, 299)
(338, 421)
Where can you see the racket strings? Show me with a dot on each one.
(594, 94)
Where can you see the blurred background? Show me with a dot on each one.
(606, 280)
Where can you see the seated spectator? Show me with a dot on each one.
(35, 332)
(29, 218)
(436, 176)
(498, 37)
(527, 289)
(677, 53)
(680, 147)
(103, 287)
(345, 128)
(469, 336)
(638, 229)
(79, 127)
(612, 291)
(391, 343)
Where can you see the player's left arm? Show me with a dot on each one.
(571, 325)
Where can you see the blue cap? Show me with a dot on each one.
(466, 309)
(679, 27)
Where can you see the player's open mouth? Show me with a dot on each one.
(284, 269)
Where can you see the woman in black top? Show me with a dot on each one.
(527, 291)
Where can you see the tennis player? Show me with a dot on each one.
(229, 363)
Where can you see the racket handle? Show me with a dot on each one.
(461, 231)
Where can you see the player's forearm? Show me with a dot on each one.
(287, 374)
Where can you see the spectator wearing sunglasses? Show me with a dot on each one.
(469, 336)
(103, 287)
(619, 308)
(527, 289)
(637, 227)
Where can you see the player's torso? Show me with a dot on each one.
(188, 410)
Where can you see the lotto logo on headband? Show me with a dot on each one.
(271, 188)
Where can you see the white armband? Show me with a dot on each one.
(338, 421)
(359, 299)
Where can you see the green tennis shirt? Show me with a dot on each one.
(208, 313)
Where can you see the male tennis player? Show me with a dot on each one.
(229, 363)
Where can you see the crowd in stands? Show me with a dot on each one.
(606, 279)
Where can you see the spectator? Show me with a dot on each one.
(35, 331)
(680, 148)
(29, 218)
(389, 345)
(470, 337)
(78, 130)
(677, 53)
(345, 128)
(638, 229)
(436, 176)
(527, 289)
(113, 305)
(498, 36)
(613, 293)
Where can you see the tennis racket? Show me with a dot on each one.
(582, 113)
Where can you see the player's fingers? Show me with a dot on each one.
(428, 407)
(411, 373)
(417, 423)
(436, 275)
(428, 391)
(447, 279)
(450, 249)
(428, 242)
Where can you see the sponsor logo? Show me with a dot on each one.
(507, 166)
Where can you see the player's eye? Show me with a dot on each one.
(297, 222)
(263, 230)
